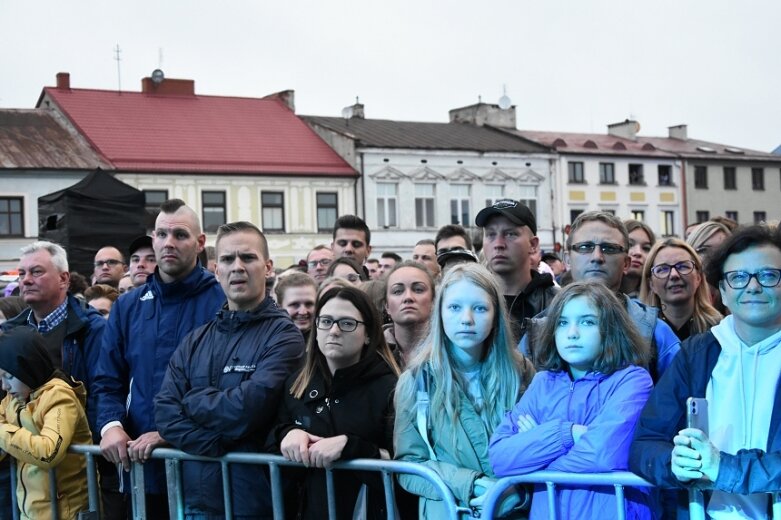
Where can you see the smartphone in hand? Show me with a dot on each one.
(697, 413)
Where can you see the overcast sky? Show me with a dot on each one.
(573, 65)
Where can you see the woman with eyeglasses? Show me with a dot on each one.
(736, 366)
(339, 406)
(673, 281)
(348, 269)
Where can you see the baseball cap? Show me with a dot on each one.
(138, 243)
(455, 253)
(515, 211)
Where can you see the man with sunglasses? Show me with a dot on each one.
(736, 366)
(224, 382)
(597, 247)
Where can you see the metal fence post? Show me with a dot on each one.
(137, 491)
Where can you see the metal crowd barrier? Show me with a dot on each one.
(173, 459)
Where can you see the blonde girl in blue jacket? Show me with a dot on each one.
(472, 376)
(579, 413)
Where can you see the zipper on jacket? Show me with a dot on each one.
(23, 505)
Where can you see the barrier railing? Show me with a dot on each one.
(173, 459)
(551, 478)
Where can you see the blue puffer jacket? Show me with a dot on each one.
(608, 405)
(145, 327)
(748, 471)
(221, 393)
(80, 349)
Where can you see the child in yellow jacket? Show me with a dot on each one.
(40, 417)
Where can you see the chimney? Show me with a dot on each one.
(287, 97)
(63, 81)
(484, 114)
(168, 87)
(678, 132)
(627, 129)
(354, 111)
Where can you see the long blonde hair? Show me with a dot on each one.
(704, 315)
(505, 372)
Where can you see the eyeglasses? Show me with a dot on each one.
(344, 324)
(325, 262)
(741, 279)
(607, 248)
(664, 270)
(110, 263)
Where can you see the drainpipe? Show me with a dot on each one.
(359, 183)
(684, 206)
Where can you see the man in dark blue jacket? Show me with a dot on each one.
(224, 382)
(145, 327)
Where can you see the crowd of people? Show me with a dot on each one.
(478, 364)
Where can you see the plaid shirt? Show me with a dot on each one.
(51, 321)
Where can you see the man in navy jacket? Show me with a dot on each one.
(224, 382)
(144, 329)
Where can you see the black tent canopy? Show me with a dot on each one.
(98, 211)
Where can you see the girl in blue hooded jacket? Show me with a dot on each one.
(579, 413)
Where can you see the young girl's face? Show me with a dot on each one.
(578, 339)
(467, 317)
(14, 386)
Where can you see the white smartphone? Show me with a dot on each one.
(697, 413)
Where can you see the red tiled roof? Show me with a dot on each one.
(197, 134)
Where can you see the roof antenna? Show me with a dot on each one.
(117, 51)
(159, 57)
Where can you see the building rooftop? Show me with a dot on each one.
(168, 128)
(34, 139)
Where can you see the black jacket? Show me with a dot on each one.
(359, 404)
(221, 393)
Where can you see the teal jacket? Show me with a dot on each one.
(459, 463)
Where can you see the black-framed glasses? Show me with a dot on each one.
(344, 324)
(607, 248)
(741, 279)
(325, 262)
(664, 270)
(111, 263)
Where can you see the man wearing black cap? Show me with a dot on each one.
(509, 239)
(142, 260)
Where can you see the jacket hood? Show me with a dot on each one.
(228, 319)
(23, 355)
(725, 333)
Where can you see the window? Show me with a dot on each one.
(731, 214)
(11, 217)
(701, 177)
(386, 205)
(607, 173)
(272, 205)
(326, 212)
(667, 223)
(636, 176)
(459, 204)
(213, 210)
(729, 178)
(760, 217)
(576, 173)
(424, 205)
(152, 201)
(702, 216)
(493, 193)
(638, 214)
(758, 178)
(665, 175)
(528, 197)
(573, 214)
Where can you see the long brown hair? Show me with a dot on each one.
(315, 361)
(622, 345)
